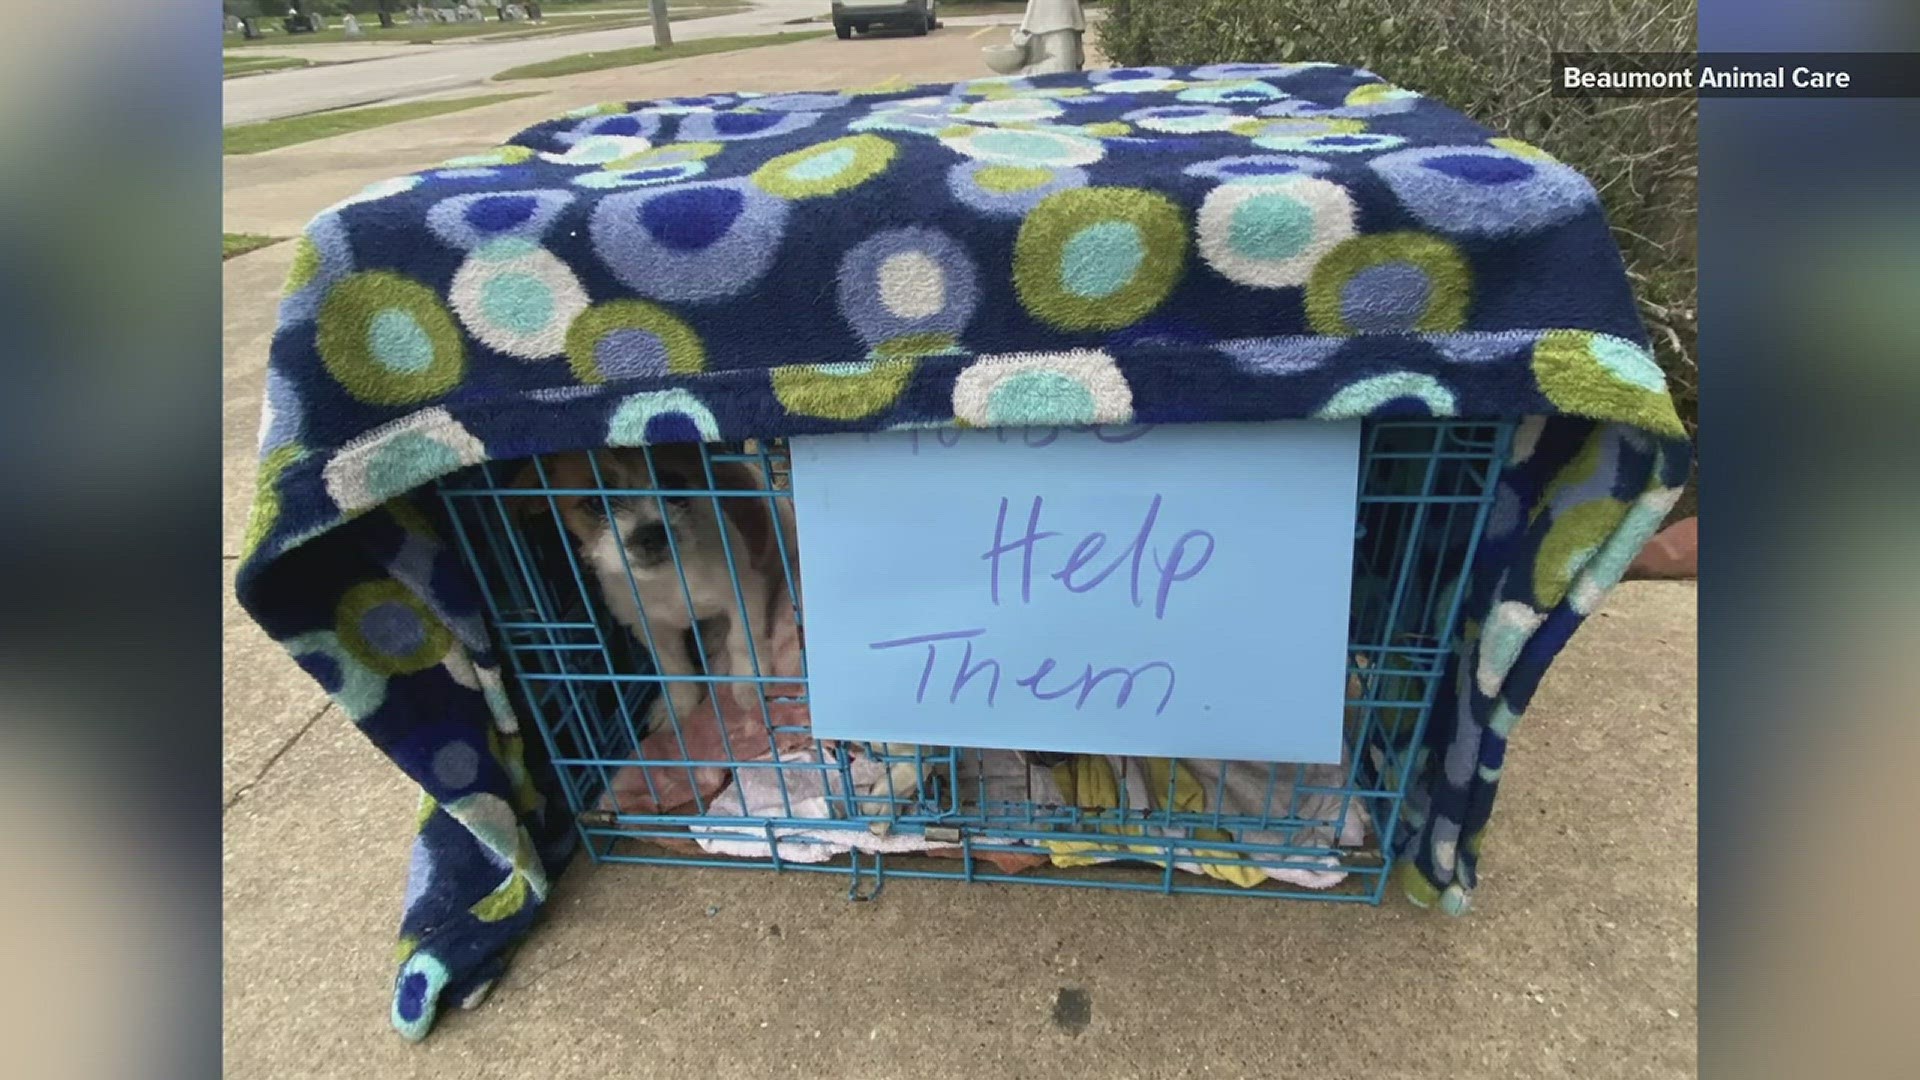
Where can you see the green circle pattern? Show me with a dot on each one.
(685, 354)
(826, 169)
(265, 512)
(388, 340)
(306, 266)
(1075, 230)
(841, 391)
(1575, 536)
(1449, 279)
(1604, 378)
(362, 599)
(672, 154)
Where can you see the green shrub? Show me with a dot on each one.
(1491, 60)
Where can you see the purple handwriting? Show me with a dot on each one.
(1082, 687)
(1078, 566)
(1179, 565)
(1033, 438)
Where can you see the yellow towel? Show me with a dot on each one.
(1088, 782)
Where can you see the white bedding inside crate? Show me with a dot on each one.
(1249, 790)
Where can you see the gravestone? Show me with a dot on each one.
(351, 26)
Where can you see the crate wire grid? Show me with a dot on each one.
(1426, 487)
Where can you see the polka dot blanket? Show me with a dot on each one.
(1167, 245)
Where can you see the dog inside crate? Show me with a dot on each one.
(649, 604)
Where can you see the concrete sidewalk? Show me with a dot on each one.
(1578, 960)
(445, 66)
(277, 193)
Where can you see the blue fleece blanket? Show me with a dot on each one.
(1233, 242)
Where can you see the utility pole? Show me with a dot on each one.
(662, 34)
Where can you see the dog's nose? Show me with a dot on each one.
(650, 543)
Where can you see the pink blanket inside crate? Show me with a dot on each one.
(730, 721)
(724, 725)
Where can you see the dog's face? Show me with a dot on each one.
(601, 524)
(670, 553)
(604, 524)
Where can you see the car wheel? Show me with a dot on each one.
(843, 31)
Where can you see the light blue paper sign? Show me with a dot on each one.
(1175, 591)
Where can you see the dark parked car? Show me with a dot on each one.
(917, 16)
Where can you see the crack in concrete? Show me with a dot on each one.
(523, 981)
(272, 760)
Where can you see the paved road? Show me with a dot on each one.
(436, 68)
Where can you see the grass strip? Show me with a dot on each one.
(233, 66)
(647, 54)
(232, 244)
(274, 134)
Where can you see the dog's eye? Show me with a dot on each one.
(670, 481)
(598, 507)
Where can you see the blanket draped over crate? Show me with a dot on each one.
(1232, 242)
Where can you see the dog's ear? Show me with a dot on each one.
(537, 475)
(755, 518)
(524, 476)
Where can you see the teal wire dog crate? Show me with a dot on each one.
(708, 275)
(721, 784)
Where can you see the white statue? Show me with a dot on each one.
(1046, 41)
